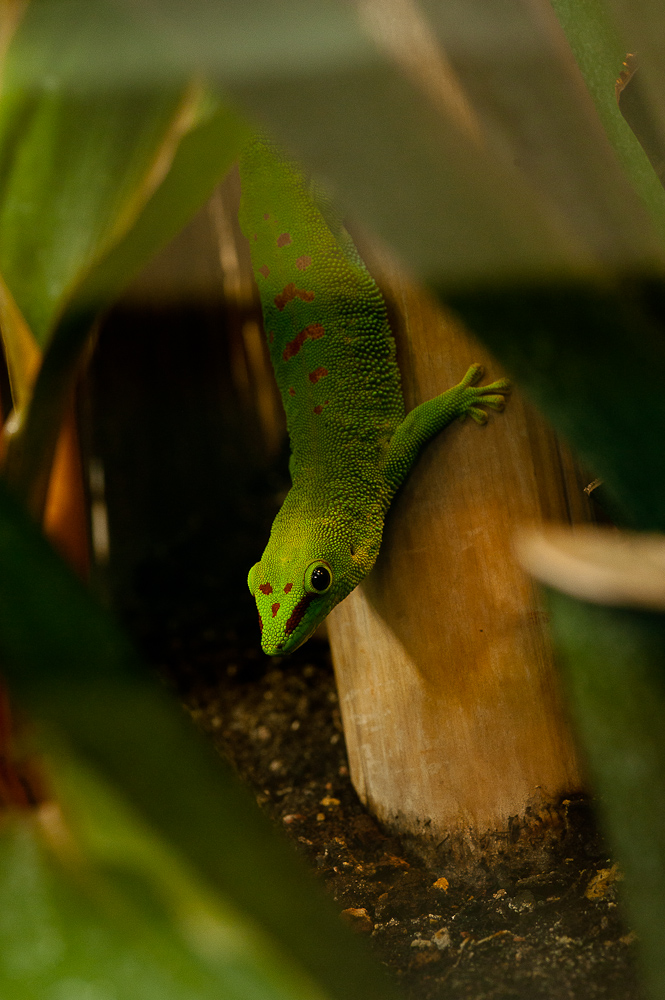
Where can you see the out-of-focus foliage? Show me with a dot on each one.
(91, 184)
(92, 904)
(70, 666)
(613, 668)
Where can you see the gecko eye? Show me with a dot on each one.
(318, 578)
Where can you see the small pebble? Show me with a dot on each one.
(522, 901)
(329, 802)
(357, 918)
(292, 818)
(275, 765)
(419, 942)
(601, 882)
(295, 724)
(441, 883)
(263, 733)
(320, 817)
(441, 938)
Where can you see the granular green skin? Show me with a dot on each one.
(334, 360)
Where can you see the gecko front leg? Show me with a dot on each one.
(426, 420)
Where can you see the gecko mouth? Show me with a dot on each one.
(279, 650)
(304, 639)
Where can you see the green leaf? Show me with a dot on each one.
(540, 196)
(613, 662)
(92, 183)
(68, 665)
(600, 50)
(92, 903)
(592, 358)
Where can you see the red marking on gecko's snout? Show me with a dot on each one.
(292, 391)
(289, 293)
(297, 613)
(265, 270)
(261, 623)
(274, 609)
(312, 332)
(265, 588)
(283, 240)
(303, 262)
(317, 374)
(287, 588)
(319, 409)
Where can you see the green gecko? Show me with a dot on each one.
(334, 358)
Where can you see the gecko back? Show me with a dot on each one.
(325, 320)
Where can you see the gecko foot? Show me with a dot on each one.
(473, 396)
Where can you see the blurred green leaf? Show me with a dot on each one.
(91, 185)
(592, 358)
(613, 662)
(68, 665)
(542, 195)
(93, 904)
(600, 50)
(643, 24)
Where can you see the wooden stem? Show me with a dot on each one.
(449, 696)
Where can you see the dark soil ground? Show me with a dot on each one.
(444, 930)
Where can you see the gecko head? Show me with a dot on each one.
(295, 588)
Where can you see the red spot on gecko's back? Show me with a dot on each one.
(319, 409)
(283, 240)
(289, 293)
(265, 270)
(312, 332)
(317, 374)
(265, 588)
(275, 609)
(292, 391)
(287, 588)
(303, 262)
(266, 215)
